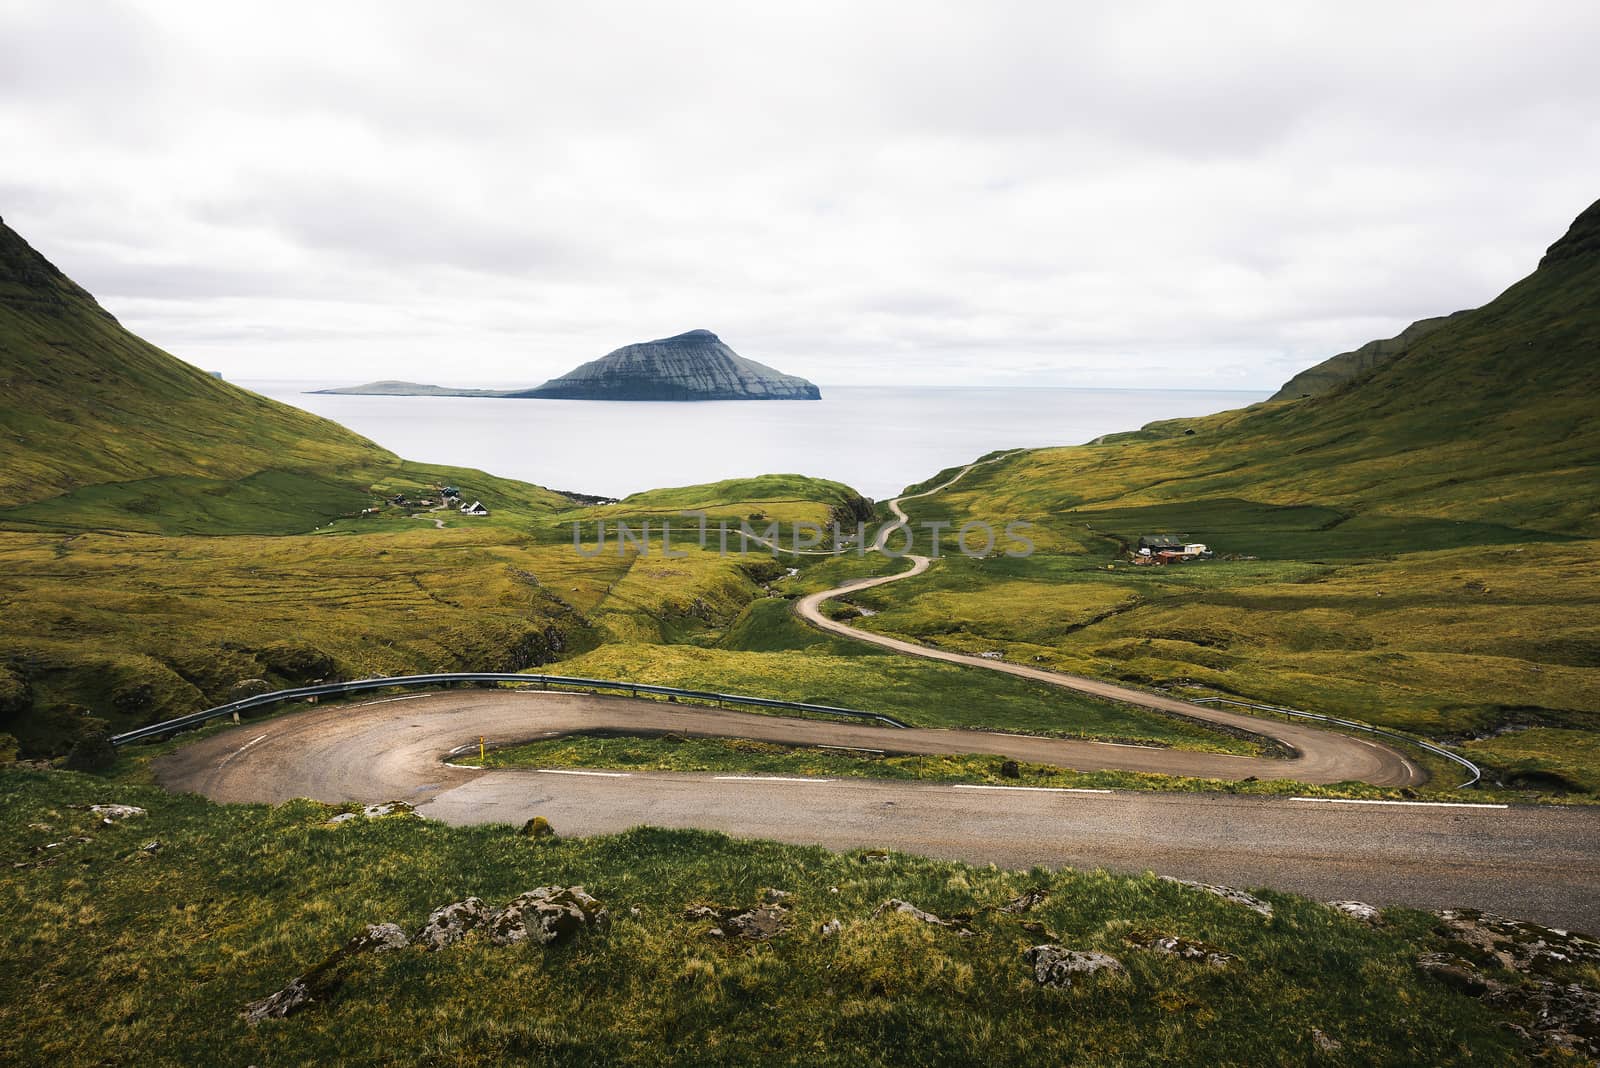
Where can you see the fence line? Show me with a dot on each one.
(195, 719)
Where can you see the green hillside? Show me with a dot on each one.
(1415, 546)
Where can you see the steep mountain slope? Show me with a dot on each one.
(1337, 370)
(692, 366)
(82, 401)
(102, 430)
(1418, 546)
(1488, 418)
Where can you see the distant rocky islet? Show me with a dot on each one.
(694, 366)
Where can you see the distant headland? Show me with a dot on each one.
(694, 366)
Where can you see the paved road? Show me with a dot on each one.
(1535, 863)
(1319, 755)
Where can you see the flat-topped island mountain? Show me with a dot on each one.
(694, 366)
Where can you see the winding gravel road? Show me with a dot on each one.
(1320, 756)
(1536, 863)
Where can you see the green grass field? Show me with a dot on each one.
(674, 753)
(116, 953)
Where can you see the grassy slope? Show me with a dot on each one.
(670, 752)
(165, 536)
(1426, 537)
(112, 951)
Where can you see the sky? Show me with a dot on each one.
(1171, 195)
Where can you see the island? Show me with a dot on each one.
(696, 366)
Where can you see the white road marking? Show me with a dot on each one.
(241, 749)
(596, 774)
(1128, 745)
(1032, 789)
(851, 748)
(1413, 804)
(762, 778)
(407, 697)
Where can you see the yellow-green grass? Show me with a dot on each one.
(671, 752)
(132, 628)
(116, 630)
(1446, 642)
(1420, 541)
(114, 953)
(919, 692)
(1544, 758)
(783, 499)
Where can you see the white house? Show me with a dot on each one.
(475, 508)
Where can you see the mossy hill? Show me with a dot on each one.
(1418, 545)
(105, 431)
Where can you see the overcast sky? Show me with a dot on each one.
(1195, 195)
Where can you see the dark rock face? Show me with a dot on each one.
(692, 366)
(1581, 241)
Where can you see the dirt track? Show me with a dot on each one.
(1536, 863)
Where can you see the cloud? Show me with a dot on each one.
(934, 192)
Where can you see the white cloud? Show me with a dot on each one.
(932, 192)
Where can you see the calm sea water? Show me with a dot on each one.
(877, 439)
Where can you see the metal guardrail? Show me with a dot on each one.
(195, 719)
(1473, 769)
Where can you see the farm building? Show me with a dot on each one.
(1157, 543)
(475, 508)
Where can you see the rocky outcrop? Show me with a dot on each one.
(1057, 966)
(449, 924)
(766, 920)
(958, 924)
(112, 813)
(320, 982)
(1337, 370)
(1357, 910)
(688, 367)
(375, 812)
(1183, 948)
(1226, 893)
(1524, 969)
(546, 916)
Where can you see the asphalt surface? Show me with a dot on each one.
(1537, 863)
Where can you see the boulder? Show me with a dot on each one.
(1010, 770)
(1227, 893)
(110, 814)
(375, 812)
(1358, 910)
(831, 928)
(546, 915)
(1057, 966)
(538, 827)
(1565, 1016)
(449, 924)
(1516, 944)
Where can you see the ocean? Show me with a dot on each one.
(877, 439)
